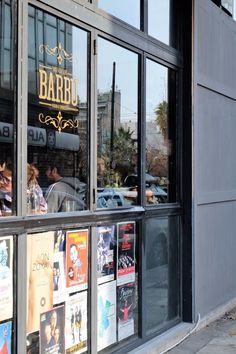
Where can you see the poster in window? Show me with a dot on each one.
(105, 253)
(40, 277)
(106, 314)
(59, 280)
(52, 331)
(125, 310)
(125, 253)
(77, 260)
(60, 241)
(6, 277)
(76, 323)
(5, 337)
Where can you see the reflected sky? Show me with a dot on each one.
(122, 10)
(79, 45)
(156, 87)
(158, 19)
(126, 75)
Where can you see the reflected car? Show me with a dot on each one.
(109, 198)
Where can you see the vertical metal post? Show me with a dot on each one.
(113, 110)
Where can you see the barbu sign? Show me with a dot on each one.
(58, 89)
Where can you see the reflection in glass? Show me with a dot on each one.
(57, 122)
(128, 11)
(159, 20)
(162, 264)
(117, 126)
(158, 137)
(7, 171)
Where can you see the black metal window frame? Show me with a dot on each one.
(146, 47)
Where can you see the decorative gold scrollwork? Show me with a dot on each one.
(58, 122)
(57, 51)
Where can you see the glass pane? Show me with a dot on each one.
(117, 302)
(126, 10)
(159, 19)
(160, 162)
(163, 269)
(7, 163)
(117, 126)
(57, 283)
(57, 123)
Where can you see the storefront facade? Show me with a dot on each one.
(95, 168)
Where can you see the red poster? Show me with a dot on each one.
(126, 252)
(77, 260)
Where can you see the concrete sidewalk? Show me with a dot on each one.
(219, 337)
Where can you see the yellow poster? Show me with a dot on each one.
(40, 249)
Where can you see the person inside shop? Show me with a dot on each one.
(102, 179)
(6, 189)
(36, 204)
(65, 193)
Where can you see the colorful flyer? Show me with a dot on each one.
(6, 277)
(5, 337)
(59, 280)
(77, 260)
(106, 314)
(105, 253)
(40, 277)
(52, 331)
(126, 252)
(125, 310)
(76, 333)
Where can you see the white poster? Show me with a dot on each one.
(76, 323)
(106, 314)
(105, 253)
(6, 278)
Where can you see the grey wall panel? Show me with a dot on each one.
(215, 247)
(215, 147)
(214, 157)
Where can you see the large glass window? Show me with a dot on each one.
(57, 170)
(117, 122)
(128, 11)
(162, 292)
(159, 19)
(160, 132)
(7, 126)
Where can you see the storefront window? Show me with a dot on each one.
(159, 19)
(57, 170)
(128, 11)
(117, 124)
(162, 267)
(7, 126)
(159, 135)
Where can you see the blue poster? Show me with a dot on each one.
(5, 338)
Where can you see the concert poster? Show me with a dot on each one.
(52, 331)
(6, 277)
(126, 252)
(76, 333)
(105, 253)
(126, 303)
(39, 277)
(77, 260)
(59, 280)
(5, 337)
(106, 314)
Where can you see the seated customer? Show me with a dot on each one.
(36, 203)
(6, 189)
(65, 191)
